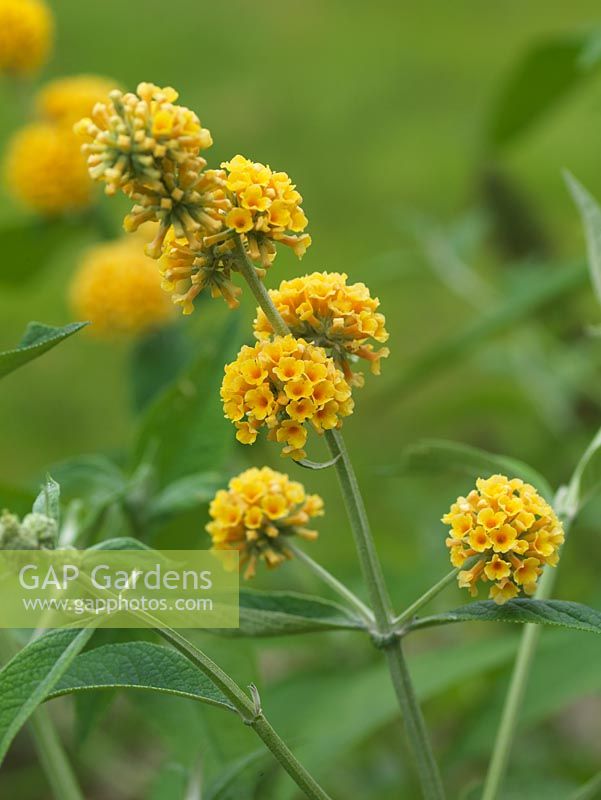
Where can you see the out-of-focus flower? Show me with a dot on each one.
(66, 100)
(45, 171)
(257, 515)
(36, 531)
(118, 289)
(26, 33)
(512, 529)
(265, 209)
(282, 384)
(322, 308)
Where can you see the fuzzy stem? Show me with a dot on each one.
(421, 748)
(358, 605)
(409, 612)
(249, 273)
(250, 711)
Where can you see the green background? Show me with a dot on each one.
(379, 112)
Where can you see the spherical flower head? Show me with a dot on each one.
(66, 100)
(45, 171)
(188, 201)
(188, 269)
(265, 209)
(118, 289)
(26, 33)
(340, 317)
(127, 137)
(258, 514)
(511, 530)
(284, 384)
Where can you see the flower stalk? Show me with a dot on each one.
(385, 636)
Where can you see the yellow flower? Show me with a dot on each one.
(341, 317)
(258, 513)
(118, 289)
(274, 385)
(512, 529)
(26, 33)
(45, 171)
(266, 210)
(188, 269)
(67, 100)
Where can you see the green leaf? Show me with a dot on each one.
(518, 306)
(590, 214)
(546, 74)
(48, 500)
(286, 613)
(31, 675)
(440, 456)
(184, 494)
(523, 610)
(37, 340)
(171, 783)
(184, 428)
(138, 665)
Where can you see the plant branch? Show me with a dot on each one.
(425, 598)
(343, 591)
(249, 273)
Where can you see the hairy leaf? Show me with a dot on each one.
(138, 665)
(522, 610)
(47, 501)
(29, 677)
(37, 340)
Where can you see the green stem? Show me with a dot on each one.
(322, 573)
(421, 748)
(53, 758)
(590, 790)
(250, 711)
(425, 598)
(249, 273)
(515, 694)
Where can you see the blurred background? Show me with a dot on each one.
(428, 141)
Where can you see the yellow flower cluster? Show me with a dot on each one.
(118, 289)
(44, 167)
(187, 270)
(258, 513)
(65, 100)
(45, 171)
(284, 383)
(324, 309)
(266, 209)
(513, 531)
(150, 147)
(26, 33)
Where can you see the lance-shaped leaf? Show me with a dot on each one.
(31, 675)
(36, 341)
(440, 456)
(285, 613)
(48, 500)
(590, 214)
(559, 613)
(138, 665)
